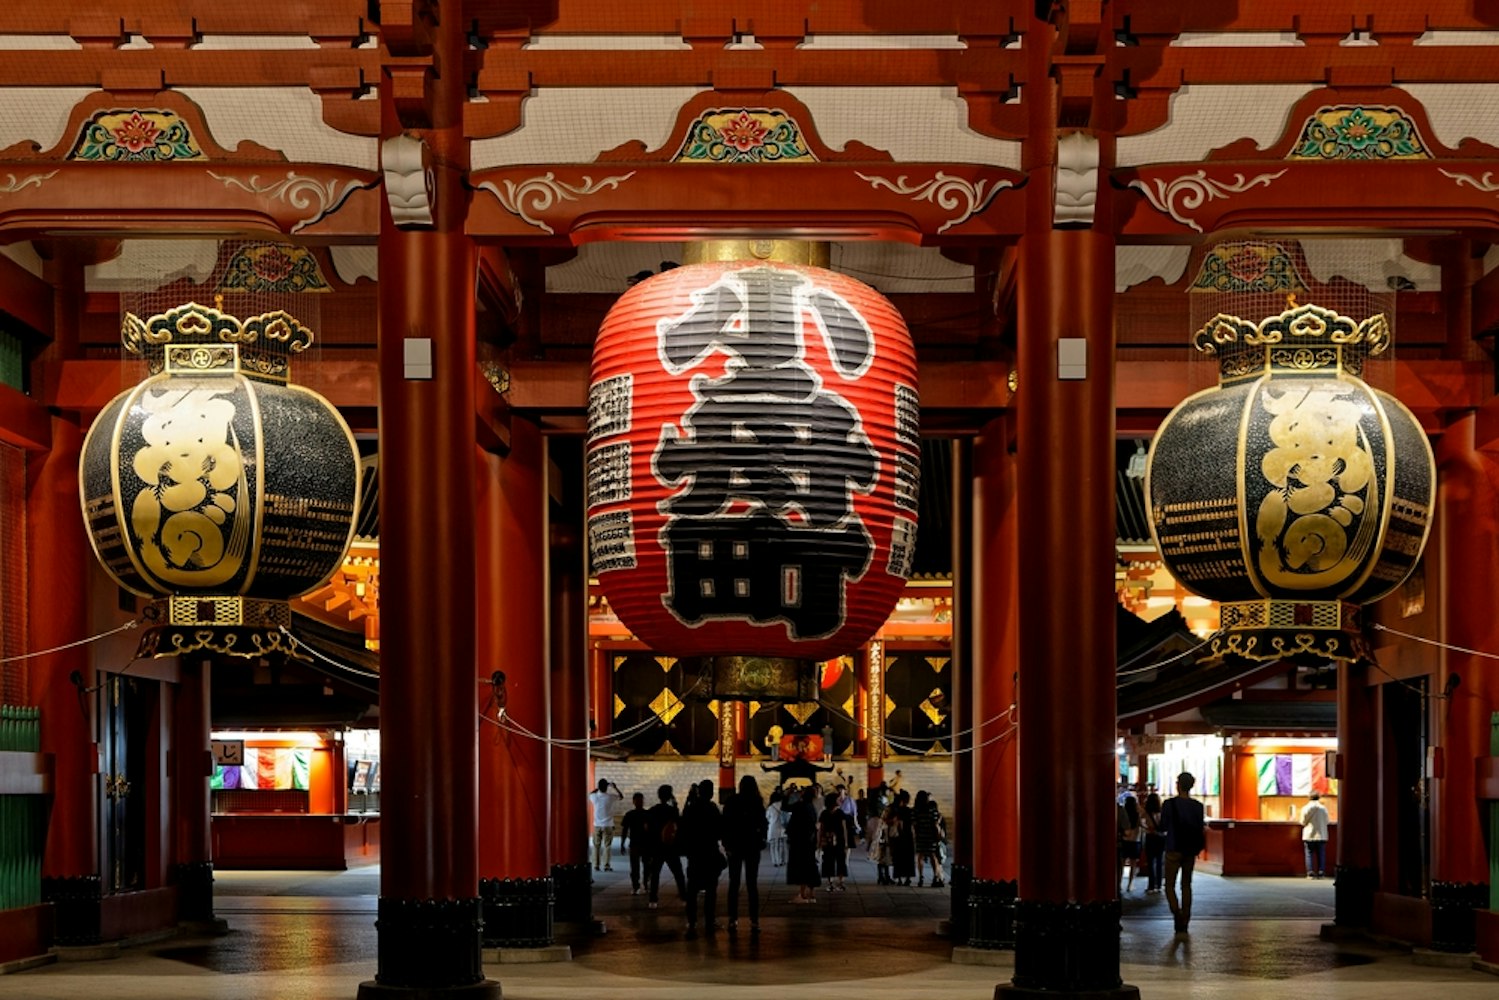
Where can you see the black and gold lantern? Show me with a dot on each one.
(1293, 492)
(216, 487)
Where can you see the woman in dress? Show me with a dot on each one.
(927, 822)
(801, 848)
(835, 834)
(902, 839)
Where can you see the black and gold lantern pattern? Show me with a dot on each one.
(1293, 492)
(214, 485)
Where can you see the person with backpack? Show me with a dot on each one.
(1185, 826)
(661, 844)
(701, 836)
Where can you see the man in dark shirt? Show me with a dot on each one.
(1186, 835)
(632, 838)
(661, 847)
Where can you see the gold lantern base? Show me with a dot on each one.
(231, 625)
(1289, 630)
(756, 678)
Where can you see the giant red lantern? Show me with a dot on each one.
(753, 466)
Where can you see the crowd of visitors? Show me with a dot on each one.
(808, 830)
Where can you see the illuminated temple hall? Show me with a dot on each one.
(416, 413)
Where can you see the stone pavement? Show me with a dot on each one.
(310, 936)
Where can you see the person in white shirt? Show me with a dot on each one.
(1314, 836)
(603, 823)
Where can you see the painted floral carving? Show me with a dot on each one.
(125, 136)
(1358, 133)
(744, 135)
(269, 267)
(1248, 267)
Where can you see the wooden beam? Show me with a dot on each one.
(25, 296)
(24, 422)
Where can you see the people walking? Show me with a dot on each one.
(1155, 844)
(662, 847)
(926, 822)
(775, 824)
(1186, 835)
(1314, 835)
(801, 847)
(603, 822)
(702, 836)
(1128, 854)
(900, 823)
(632, 839)
(745, 832)
(835, 832)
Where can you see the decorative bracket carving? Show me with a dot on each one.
(945, 191)
(540, 193)
(321, 196)
(407, 164)
(1192, 190)
(1077, 180)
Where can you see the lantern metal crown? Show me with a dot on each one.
(1304, 338)
(193, 338)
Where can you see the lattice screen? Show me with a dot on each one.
(1260, 278)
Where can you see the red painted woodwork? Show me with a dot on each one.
(644, 201)
(192, 764)
(1185, 201)
(248, 842)
(567, 685)
(995, 604)
(25, 932)
(649, 385)
(1358, 768)
(1065, 438)
(1255, 847)
(57, 617)
(1467, 508)
(512, 553)
(1486, 934)
(427, 446)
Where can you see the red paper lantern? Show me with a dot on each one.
(753, 460)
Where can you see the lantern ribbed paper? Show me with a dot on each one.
(753, 460)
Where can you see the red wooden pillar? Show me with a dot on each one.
(192, 767)
(514, 762)
(995, 602)
(57, 616)
(600, 691)
(429, 910)
(962, 718)
(1467, 510)
(1358, 775)
(1067, 935)
(567, 686)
